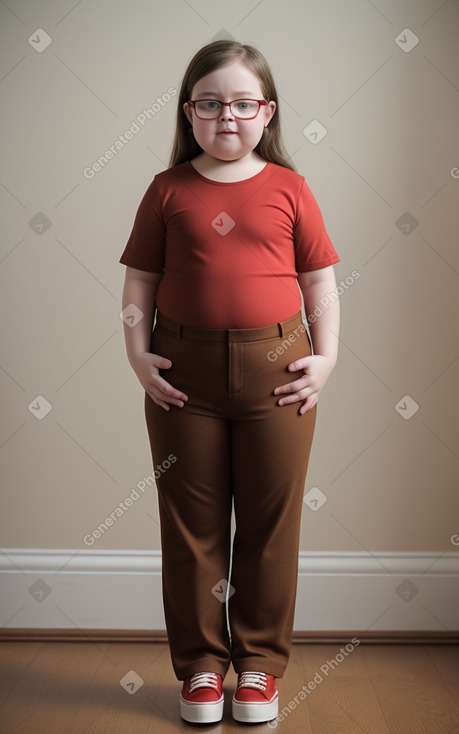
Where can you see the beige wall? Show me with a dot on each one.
(391, 117)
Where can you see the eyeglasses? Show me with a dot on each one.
(241, 109)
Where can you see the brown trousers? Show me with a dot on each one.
(230, 443)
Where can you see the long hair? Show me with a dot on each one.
(209, 58)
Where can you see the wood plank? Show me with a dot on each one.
(410, 691)
(294, 713)
(446, 661)
(107, 703)
(50, 689)
(344, 699)
(15, 658)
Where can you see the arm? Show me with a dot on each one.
(140, 288)
(317, 287)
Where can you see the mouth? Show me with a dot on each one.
(226, 132)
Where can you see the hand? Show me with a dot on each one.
(317, 370)
(146, 367)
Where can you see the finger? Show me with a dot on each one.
(166, 404)
(288, 387)
(309, 403)
(157, 401)
(166, 400)
(161, 362)
(289, 399)
(299, 364)
(168, 391)
(163, 399)
(300, 384)
(302, 394)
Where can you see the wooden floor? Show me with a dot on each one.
(74, 688)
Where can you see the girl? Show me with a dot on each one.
(223, 242)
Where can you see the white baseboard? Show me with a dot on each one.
(92, 589)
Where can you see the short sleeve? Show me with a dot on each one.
(145, 247)
(313, 247)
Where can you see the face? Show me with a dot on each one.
(226, 84)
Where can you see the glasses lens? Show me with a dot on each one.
(208, 108)
(244, 108)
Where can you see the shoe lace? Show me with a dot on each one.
(203, 680)
(253, 680)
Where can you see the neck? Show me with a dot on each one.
(227, 171)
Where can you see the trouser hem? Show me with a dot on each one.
(206, 664)
(259, 665)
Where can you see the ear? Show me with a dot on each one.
(187, 111)
(269, 111)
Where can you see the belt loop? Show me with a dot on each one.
(180, 331)
(280, 326)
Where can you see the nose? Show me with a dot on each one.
(229, 115)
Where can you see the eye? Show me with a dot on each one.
(244, 105)
(210, 104)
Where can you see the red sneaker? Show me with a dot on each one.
(256, 698)
(201, 698)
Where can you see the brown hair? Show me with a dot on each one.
(209, 58)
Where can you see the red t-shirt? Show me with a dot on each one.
(230, 253)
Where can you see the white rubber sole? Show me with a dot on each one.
(201, 713)
(253, 713)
